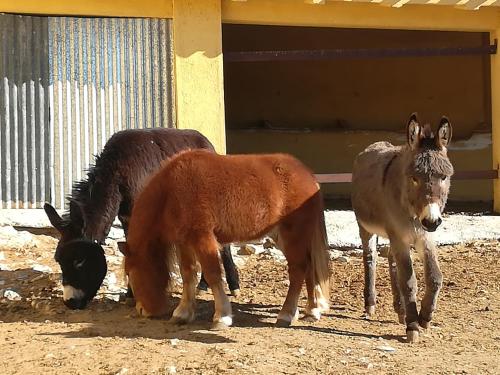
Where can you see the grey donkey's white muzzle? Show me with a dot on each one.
(430, 218)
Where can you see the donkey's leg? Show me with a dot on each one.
(124, 219)
(232, 276)
(397, 301)
(407, 285)
(369, 242)
(184, 312)
(433, 281)
(207, 250)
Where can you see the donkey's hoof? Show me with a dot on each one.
(401, 318)
(412, 336)
(370, 310)
(235, 293)
(282, 323)
(177, 320)
(424, 323)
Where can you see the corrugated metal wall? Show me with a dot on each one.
(102, 75)
(24, 115)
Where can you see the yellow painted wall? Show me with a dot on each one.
(334, 152)
(199, 68)
(111, 8)
(355, 94)
(495, 95)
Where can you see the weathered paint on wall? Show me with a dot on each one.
(334, 152)
(198, 68)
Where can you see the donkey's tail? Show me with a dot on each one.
(320, 262)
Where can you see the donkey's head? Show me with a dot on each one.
(428, 171)
(82, 261)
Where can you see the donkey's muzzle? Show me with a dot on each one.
(431, 226)
(75, 303)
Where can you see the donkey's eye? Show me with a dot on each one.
(443, 178)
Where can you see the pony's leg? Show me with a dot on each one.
(295, 251)
(397, 301)
(407, 285)
(369, 243)
(316, 302)
(232, 276)
(184, 312)
(207, 251)
(433, 281)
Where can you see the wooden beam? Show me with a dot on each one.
(359, 15)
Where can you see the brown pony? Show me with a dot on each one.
(200, 200)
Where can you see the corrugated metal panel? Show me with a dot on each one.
(67, 85)
(106, 74)
(23, 112)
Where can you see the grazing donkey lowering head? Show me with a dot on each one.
(399, 192)
(428, 171)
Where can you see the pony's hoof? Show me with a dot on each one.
(222, 323)
(412, 336)
(401, 318)
(310, 318)
(370, 310)
(235, 293)
(282, 323)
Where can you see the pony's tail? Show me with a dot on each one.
(320, 262)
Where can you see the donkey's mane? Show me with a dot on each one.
(429, 158)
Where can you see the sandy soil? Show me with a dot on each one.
(39, 335)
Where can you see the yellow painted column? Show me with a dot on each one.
(199, 68)
(495, 116)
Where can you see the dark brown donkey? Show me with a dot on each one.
(399, 192)
(120, 171)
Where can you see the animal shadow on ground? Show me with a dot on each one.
(41, 301)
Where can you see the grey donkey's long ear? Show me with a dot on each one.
(54, 218)
(444, 133)
(413, 132)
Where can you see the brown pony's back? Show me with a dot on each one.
(200, 200)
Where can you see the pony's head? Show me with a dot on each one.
(428, 171)
(82, 262)
(148, 276)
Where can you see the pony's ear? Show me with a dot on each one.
(54, 218)
(413, 132)
(444, 132)
(123, 247)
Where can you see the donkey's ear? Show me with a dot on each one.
(54, 218)
(413, 132)
(443, 138)
(123, 247)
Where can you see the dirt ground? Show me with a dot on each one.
(39, 335)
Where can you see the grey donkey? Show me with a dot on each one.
(399, 192)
